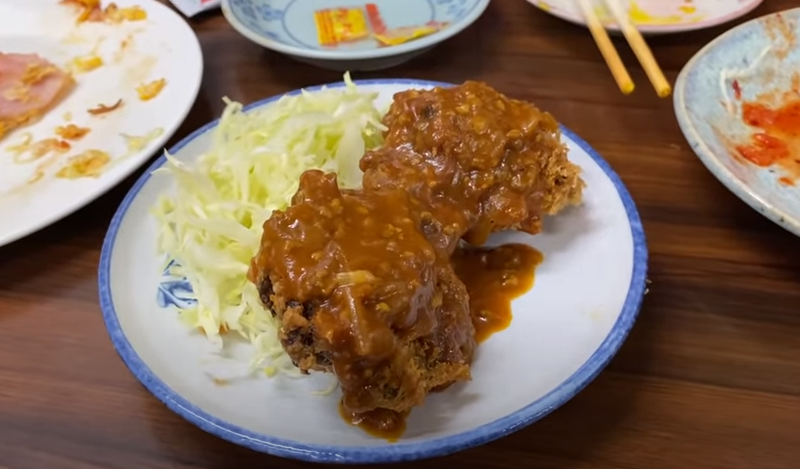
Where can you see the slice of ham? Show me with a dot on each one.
(29, 87)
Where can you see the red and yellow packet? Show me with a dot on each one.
(346, 25)
(337, 25)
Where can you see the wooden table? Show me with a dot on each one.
(709, 378)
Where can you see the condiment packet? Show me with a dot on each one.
(352, 24)
(397, 36)
(340, 25)
(192, 7)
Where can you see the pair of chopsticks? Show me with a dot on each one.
(635, 40)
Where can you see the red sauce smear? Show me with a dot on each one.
(778, 136)
(737, 89)
(764, 150)
(784, 120)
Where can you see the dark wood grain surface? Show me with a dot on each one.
(709, 378)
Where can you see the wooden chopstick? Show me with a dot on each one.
(640, 49)
(600, 35)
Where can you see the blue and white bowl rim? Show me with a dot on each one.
(357, 54)
(393, 452)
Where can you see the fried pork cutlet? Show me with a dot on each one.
(471, 149)
(362, 293)
(29, 87)
(361, 280)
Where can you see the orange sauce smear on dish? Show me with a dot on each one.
(777, 141)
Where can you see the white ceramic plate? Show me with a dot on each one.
(759, 59)
(163, 46)
(656, 16)
(565, 330)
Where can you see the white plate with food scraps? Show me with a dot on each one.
(136, 68)
(737, 104)
(655, 16)
(557, 342)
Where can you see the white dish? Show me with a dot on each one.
(656, 16)
(162, 46)
(565, 330)
(749, 64)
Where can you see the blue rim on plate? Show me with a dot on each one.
(399, 451)
(240, 25)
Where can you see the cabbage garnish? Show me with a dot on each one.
(211, 224)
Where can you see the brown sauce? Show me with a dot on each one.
(380, 423)
(493, 278)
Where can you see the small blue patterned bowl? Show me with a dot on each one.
(753, 64)
(288, 26)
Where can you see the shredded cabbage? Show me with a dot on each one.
(211, 225)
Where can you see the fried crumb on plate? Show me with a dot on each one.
(148, 91)
(117, 15)
(86, 63)
(103, 109)
(91, 10)
(90, 163)
(71, 131)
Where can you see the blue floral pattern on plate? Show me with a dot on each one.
(174, 290)
(291, 22)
